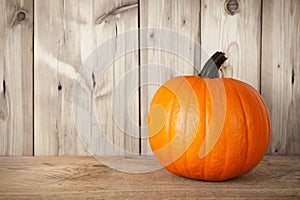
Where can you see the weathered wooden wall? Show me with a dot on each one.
(280, 73)
(181, 17)
(16, 73)
(64, 37)
(44, 43)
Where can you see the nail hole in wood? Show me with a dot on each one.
(232, 6)
(59, 87)
(278, 66)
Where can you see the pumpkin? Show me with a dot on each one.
(206, 127)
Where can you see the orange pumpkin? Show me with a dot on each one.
(208, 128)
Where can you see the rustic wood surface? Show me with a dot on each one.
(66, 32)
(16, 119)
(281, 73)
(57, 57)
(276, 177)
(40, 61)
(118, 116)
(182, 17)
(236, 33)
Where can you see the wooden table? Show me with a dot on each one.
(276, 177)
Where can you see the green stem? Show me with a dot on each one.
(212, 66)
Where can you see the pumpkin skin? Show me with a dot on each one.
(242, 140)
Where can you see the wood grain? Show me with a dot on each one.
(66, 32)
(276, 177)
(57, 57)
(237, 35)
(281, 73)
(16, 120)
(116, 94)
(180, 54)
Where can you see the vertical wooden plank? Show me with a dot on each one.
(57, 57)
(182, 17)
(66, 32)
(281, 73)
(234, 27)
(16, 131)
(118, 116)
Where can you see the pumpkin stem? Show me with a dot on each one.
(212, 66)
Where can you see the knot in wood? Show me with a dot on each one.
(232, 6)
(21, 15)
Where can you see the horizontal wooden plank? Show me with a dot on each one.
(276, 177)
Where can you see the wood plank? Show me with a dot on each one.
(237, 35)
(170, 53)
(116, 94)
(16, 123)
(57, 58)
(276, 177)
(66, 32)
(281, 72)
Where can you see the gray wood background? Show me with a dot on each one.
(43, 43)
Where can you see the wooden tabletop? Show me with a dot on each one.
(276, 177)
